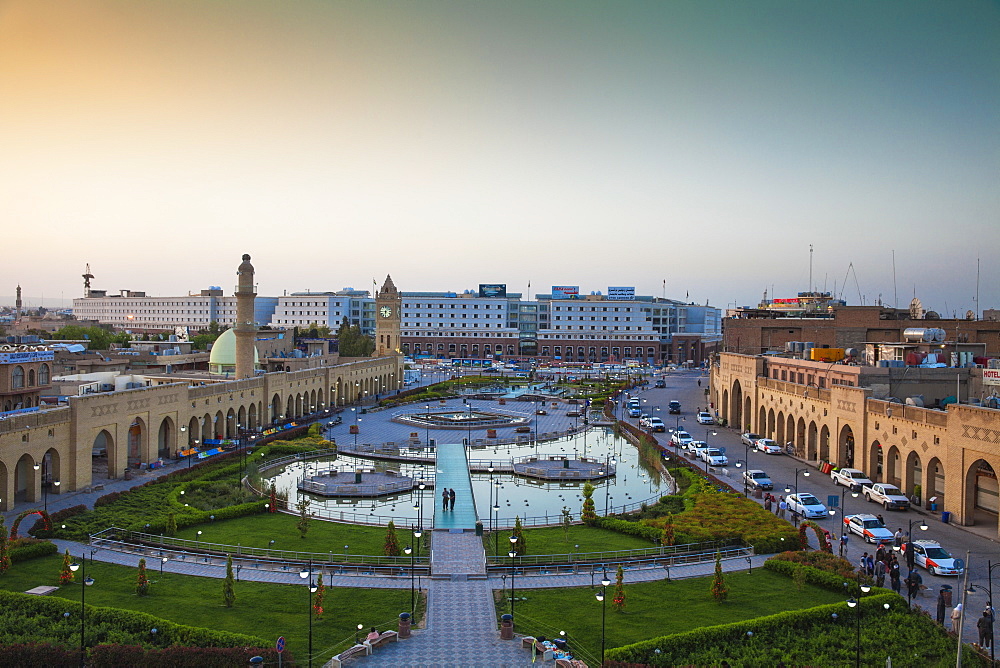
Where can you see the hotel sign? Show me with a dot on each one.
(991, 376)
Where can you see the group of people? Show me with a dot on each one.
(447, 499)
(778, 506)
(984, 624)
(884, 563)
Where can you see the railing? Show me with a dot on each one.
(353, 490)
(557, 518)
(122, 540)
(521, 565)
(679, 552)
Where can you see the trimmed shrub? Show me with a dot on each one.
(23, 549)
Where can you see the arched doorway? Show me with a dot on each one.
(935, 488)
(769, 432)
(289, 409)
(762, 421)
(892, 467)
(913, 476)
(845, 446)
(737, 405)
(230, 431)
(25, 480)
(800, 438)
(103, 451)
(6, 503)
(982, 495)
(136, 442)
(252, 418)
(206, 427)
(724, 407)
(875, 462)
(812, 444)
(275, 408)
(164, 438)
(779, 433)
(824, 444)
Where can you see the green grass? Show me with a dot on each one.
(554, 540)
(322, 537)
(656, 608)
(264, 610)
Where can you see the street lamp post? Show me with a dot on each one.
(740, 463)
(409, 550)
(491, 469)
(805, 474)
(427, 426)
(85, 582)
(907, 548)
(602, 597)
(708, 432)
(857, 603)
(512, 554)
(989, 599)
(307, 575)
(496, 519)
(607, 481)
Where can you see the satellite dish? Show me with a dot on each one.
(916, 309)
(970, 315)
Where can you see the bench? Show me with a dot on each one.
(384, 638)
(527, 642)
(42, 590)
(338, 661)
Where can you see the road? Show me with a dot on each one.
(982, 547)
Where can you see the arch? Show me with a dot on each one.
(320, 404)
(892, 466)
(312, 401)
(298, 405)
(241, 418)
(252, 418)
(845, 446)
(822, 536)
(44, 375)
(747, 412)
(779, 429)
(736, 407)
(800, 437)
(762, 421)
(875, 461)
(218, 425)
(25, 479)
(193, 431)
(230, 425)
(824, 443)
(17, 378)
(982, 495)
(104, 450)
(935, 483)
(51, 469)
(724, 406)
(912, 475)
(165, 438)
(289, 408)
(136, 442)
(46, 521)
(275, 407)
(6, 503)
(812, 442)
(31, 377)
(769, 432)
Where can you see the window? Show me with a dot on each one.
(17, 378)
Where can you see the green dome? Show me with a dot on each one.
(223, 355)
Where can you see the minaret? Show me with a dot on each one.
(245, 328)
(17, 305)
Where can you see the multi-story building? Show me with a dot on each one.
(25, 375)
(135, 311)
(304, 309)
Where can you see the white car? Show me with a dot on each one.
(852, 478)
(768, 447)
(714, 457)
(868, 527)
(695, 446)
(681, 438)
(930, 555)
(806, 505)
(656, 424)
(749, 438)
(705, 418)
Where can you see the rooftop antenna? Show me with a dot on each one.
(977, 288)
(810, 267)
(86, 281)
(895, 297)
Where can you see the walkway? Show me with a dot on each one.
(453, 473)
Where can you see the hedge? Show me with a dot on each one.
(25, 549)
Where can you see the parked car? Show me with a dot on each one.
(695, 446)
(757, 479)
(705, 418)
(713, 456)
(852, 478)
(806, 505)
(634, 412)
(868, 527)
(656, 424)
(930, 555)
(681, 438)
(768, 447)
(888, 495)
(749, 438)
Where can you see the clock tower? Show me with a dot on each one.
(388, 320)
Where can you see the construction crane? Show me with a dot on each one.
(86, 281)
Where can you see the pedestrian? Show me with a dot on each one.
(880, 520)
(870, 566)
(913, 582)
(767, 502)
(782, 507)
(863, 564)
(956, 616)
(444, 500)
(843, 543)
(880, 571)
(894, 576)
(451, 499)
(897, 538)
(985, 626)
(940, 607)
(880, 553)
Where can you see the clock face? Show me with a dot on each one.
(385, 311)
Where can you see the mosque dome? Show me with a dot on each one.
(223, 355)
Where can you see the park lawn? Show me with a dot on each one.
(556, 540)
(322, 536)
(262, 609)
(656, 608)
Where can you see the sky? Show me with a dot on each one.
(696, 150)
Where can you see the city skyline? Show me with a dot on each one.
(707, 145)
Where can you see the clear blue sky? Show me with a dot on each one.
(705, 144)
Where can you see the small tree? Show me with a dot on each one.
(65, 573)
(228, 591)
(303, 524)
(720, 591)
(518, 532)
(589, 514)
(4, 556)
(318, 596)
(391, 548)
(142, 580)
(273, 507)
(171, 525)
(619, 600)
(567, 522)
(668, 530)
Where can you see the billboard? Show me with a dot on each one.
(621, 293)
(565, 291)
(492, 289)
(991, 376)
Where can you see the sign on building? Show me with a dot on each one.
(565, 291)
(492, 289)
(621, 293)
(991, 376)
